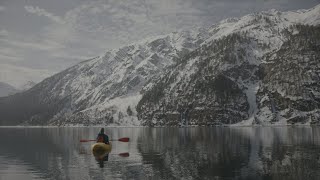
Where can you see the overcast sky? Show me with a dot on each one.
(41, 37)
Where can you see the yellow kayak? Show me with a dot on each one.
(101, 149)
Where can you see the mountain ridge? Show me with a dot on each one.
(219, 92)
(7, 90)
(103, 89)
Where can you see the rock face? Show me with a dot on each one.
(265, 70)
(290, 83)
(203, 89)
(259, 69)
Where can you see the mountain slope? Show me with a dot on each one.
(290, 88)
(254, 74)
(220, 75)
(7, 89)
(27, 85)
(102, 90)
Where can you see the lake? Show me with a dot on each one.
(162, 153)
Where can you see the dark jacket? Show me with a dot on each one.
(103, 138)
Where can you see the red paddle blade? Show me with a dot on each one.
(125, 139)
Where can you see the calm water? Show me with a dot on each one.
(162, 153)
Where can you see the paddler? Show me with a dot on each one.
(102, 138)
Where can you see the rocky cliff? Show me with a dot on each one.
(263, 70)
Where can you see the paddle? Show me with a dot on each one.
(124, 154)
(125, 139)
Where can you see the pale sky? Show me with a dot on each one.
(41, 37)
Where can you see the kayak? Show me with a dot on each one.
(101, 149)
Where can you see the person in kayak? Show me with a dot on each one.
(103, 138)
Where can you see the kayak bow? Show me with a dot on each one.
(100, 149)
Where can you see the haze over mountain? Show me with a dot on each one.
(262, 68)
(7, 89)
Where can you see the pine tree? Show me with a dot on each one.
(129, 111)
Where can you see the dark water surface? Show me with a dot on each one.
(163, 153)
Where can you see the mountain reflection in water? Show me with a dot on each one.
(163, 153)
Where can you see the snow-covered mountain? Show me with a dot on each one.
(7, 89)
(259, 69)
(102, 90)
(238, 71)
(27, 85)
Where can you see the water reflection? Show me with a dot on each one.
(162, 153)
(102, 160)
(56, 153)
(232, 153)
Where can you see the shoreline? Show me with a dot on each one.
(192, 126)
